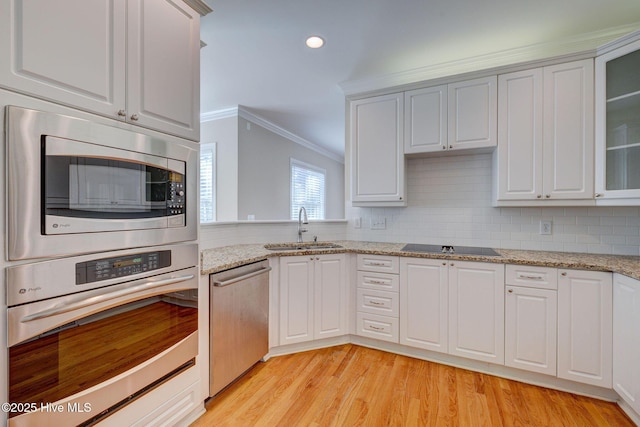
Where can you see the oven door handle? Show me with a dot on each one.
(102, 297)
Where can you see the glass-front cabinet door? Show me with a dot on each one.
(618, 125)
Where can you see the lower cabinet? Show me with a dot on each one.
(585, 326)
(313, 297)
(626, 339)
(531, 318)
(377, 297)
(476, 311)
(454, 307)
(423, 303)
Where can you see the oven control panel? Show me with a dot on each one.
(122, 266)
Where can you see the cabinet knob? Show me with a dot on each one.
(451, 264)
(444, 147)
(564, 273)
(548, 196)
(444, 263)
(539, 196)
(122, 113)
(134, 117)
(510, 291)
(598, 195)
(451, 147)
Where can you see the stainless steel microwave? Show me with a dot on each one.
(76, 186)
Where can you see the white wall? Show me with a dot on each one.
(264, 174)
(224, 132)
(449, 202)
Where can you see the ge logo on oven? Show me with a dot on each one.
(25, 290)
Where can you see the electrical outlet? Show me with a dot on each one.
(378, 223)
(357, 222)
(545, 227)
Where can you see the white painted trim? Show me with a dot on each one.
(199, 6)
(272, 127)
(563, 50)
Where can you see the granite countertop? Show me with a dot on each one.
(219, 259)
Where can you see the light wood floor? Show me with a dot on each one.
(350, 385)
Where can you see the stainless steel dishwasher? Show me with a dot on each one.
(239, 322)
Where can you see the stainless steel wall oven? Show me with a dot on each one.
(87, 334)
(75, 186)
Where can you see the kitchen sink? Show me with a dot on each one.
(449, 250)
(301, 246)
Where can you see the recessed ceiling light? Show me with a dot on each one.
(314, 42)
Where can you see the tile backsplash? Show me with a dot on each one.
(449, 202)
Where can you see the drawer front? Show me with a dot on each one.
(380, 281)
(379, 263)
(378, 302)
(531, 276)
(379, 327)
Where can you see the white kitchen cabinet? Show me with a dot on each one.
(377, 298)
(545, 134)
(423, 303)
(472, 117)
(617, 126)
(585, 326)
(531, 318)
(425, 120)
(376, 150)
(626, 339)
(135, 61)
(313, 297)
(476, 310)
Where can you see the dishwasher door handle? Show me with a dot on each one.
(233, 280)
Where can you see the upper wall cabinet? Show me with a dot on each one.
(136, 61)
(457, 116)
(618, 126)
(545, 136)
(377, 159)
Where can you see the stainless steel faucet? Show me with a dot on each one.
(302, 219)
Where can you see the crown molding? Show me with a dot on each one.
(240, 111)
(569, 48)
(199, 6)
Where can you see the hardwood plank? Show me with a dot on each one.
(349, 385)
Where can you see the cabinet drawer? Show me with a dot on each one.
(531, 276)
(379, 327)
(379, 263)
(380, 281)
(378, 302)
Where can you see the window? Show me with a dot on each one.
(307, 189)
(207, 182)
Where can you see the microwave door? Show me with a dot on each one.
(89, 188)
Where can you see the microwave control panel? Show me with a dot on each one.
(117, 267)
(177, 195)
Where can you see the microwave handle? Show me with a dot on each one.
(102, 297)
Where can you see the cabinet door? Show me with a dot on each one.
(568, 136)
(330, 296)
(296, 299)
(425, 120)
(423, 303)
(476, 311)
(626, 339)
(377, 158)
(531, 329)
(585, 326)
(473, 110)
(519, 149)
(617, 128)
(67, 51)
(163, 77)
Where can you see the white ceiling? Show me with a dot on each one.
(256, 58)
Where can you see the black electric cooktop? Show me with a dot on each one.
(448, 249)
